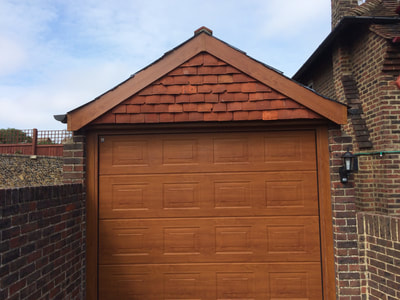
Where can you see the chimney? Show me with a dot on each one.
(341, 8)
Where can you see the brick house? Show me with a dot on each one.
(206, 101)
(358, 64)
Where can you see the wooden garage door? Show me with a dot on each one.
(209, 216)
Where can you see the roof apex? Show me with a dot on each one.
(87, 113)
(203, 29)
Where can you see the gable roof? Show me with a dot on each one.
(203, 42)
(205, 89)
(379, 16)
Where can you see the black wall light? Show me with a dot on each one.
(350, 164)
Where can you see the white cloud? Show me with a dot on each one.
(35, 106)
(58, 55)
(12, 56)
(292, 17)
(22, 26)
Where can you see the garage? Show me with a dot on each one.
(194, 216)
(207, 177)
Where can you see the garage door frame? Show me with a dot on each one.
(323, 176)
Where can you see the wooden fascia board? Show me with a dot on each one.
(82, 116)
(331, 110)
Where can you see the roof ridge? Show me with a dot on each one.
(202, 42)
(365, 8)
(387, 31)
(376, 8)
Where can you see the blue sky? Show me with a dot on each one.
(57, 55)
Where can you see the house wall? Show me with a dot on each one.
(367, 71)
(378, 180)
(42, 242)
(349, 272)
(321, 79)
(323, 83)
(380, 99)
(365, 256)
(379, 244)
(20, 170)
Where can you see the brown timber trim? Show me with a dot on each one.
(92, 216)
(325, 213)
(92, 110)
(331, 110)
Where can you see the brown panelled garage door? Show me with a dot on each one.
(209, 216)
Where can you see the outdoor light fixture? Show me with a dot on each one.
(350, 164)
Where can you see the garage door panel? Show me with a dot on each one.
(209, 240)
(213, 215)
(208, 281)
(207, 152)
(225, 194)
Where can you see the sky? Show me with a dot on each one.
(56, 55)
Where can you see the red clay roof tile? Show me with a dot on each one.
(210, 79)
(204, 70)
(218, 107)
(122, 118)
(133, 109)
(151, 118)
(151, 99)
(137, 118)
(195, 116)
(204, 107)
(182, 99)
(196, 98)
(119, 109)
(241, 115)
(210, 60)
(182, 117)
(173, 108)
(255, 115)
(147, 108)
(181, 96)
(270, 115)
(167, 118)
(225, 78)
(225, 116)
(213, 98)
(161, 108)
(234, 106)
(189, 107)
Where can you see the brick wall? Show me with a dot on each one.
(349, 272)
(75, 159)
(374, 189)
(341, 8)
(42, 243)
(21, 170)
(380, 99)
(367, 72)
(323, 79)
(380, 253)
(376, 100)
